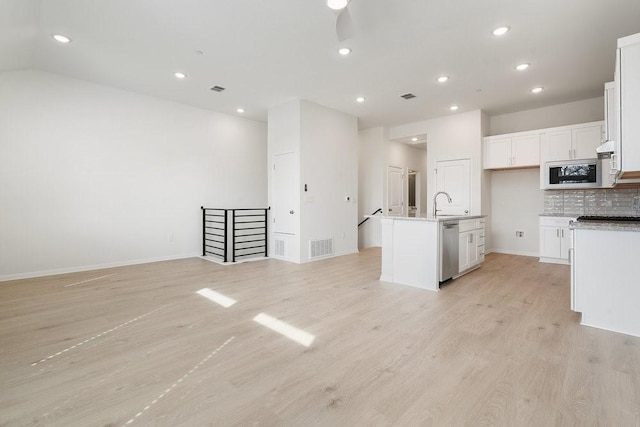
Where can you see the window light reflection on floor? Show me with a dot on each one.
(216, 297)
(293, 333)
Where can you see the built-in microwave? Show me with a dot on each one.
(573, 174)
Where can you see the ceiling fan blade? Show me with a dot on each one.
(344, 25)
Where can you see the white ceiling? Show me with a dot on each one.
(267, 52)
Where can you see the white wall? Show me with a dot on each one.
(451, 137)
(371, 169)
(93, 176)
(516, 204)
(329, 168)
(588, 110)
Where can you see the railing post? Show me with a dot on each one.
(233, 236)
(266, 234)
(226, 234)
(204, 236)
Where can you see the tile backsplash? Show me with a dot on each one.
(610, 201)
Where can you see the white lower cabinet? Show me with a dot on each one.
(471, 243)
(555, 239)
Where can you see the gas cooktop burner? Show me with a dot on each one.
(608, 218)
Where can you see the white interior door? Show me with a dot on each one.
(395, 191)
(284, 194)
(453, 176)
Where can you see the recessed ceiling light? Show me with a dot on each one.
(414, 139)
(453, 108)
(500, 31)
(62, 39)
(522, 67)
(537, 89)
(337, 4)
(240, 110)
(360, 99)
(443, 79)
(344, 51)
(199, 52)
(180, 75)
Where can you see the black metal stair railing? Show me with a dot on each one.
(214, 232)
(247, 228)
(367, 219)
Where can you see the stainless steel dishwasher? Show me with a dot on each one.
(449, 238)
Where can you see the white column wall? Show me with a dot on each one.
(329, 167)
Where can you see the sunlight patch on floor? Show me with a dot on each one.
(216, 297)
(291, 332)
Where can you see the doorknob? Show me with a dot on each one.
(291, 212)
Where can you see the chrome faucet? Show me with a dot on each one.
(435, 202)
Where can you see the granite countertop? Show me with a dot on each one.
(606, 226)
(559, 215)
(430, 218)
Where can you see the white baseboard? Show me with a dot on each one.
(510, 252)
(33, 274)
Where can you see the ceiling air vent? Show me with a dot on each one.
(217, 88)
(407, 96)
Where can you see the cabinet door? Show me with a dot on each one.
(630, 109)
(473, 247)
(585, 142)
(463, 251)
(497, 153)
(610, 111)
(550, 242)
(525, 150)
(556, 145)
(565, 243)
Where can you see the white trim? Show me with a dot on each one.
(510, 252)
(33, 274)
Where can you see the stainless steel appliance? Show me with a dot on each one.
(573, 174)
(449, 239)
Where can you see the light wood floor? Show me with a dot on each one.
(137, 346)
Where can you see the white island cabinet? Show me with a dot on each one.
(605, 285)
(410, 249)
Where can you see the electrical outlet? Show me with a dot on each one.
(519, 233)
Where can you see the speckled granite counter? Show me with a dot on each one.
(605, 226)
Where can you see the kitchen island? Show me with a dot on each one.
(605, 275)
(411, 248)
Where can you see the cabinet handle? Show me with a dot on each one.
(569, 153)
(557, 232)
(470, 238)
(562, 232)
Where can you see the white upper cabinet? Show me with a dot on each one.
(519, 150)
(571, 142)
(628, 85)
(586, 140)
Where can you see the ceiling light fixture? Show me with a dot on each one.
(337, 4)
(360, 99)
(414, 139)
(240, 110)
(180, 75)
(453, 108)
(443, 79)
(344, 51)
(61, 38)
(501, 31)
(522, 67)
(537, 89)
